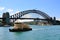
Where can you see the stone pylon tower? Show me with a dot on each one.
(5, 19)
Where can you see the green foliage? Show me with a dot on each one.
(31, 23)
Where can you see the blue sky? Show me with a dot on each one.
(50, 7)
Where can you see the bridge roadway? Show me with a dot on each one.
(29, 18)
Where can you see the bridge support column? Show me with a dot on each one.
(6, 20)
(54, 21)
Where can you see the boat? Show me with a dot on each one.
(20, 30)
(20, 27)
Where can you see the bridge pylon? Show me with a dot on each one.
(5, 20)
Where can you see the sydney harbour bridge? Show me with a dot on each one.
(6, 17)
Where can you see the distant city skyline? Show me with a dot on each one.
(50, 7)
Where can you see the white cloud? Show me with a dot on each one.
(58, 19)
(10, 10)
(2, 8)
(27, 16)
(17, 11)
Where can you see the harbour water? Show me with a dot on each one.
(38, 33)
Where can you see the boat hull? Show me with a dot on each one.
(20, 30)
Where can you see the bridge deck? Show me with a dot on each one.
(28, 18)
